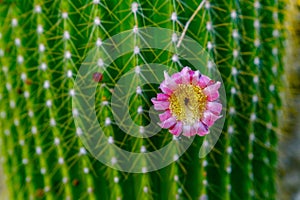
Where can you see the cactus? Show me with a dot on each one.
(42, 47)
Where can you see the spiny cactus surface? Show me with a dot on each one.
(45, 44)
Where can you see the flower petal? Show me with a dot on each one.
(189, 130)
(177, 78)
(196, 77)
(177, 129)
(209, 118)
(162, 97)
(214, 107)
(185, 75)
(168, 123)
(169, 82)
(191, 73)
(212, 92)
(165, 89)
(164, 116)
(203, 81)
(160, 105)
(202, 129)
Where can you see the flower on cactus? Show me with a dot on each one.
(97, 77)
(190, 101)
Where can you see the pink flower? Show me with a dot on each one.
(190, 103)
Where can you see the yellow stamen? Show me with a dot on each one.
(187, 103)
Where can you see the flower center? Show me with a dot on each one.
(187, 103)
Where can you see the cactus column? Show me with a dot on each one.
(42, 46)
